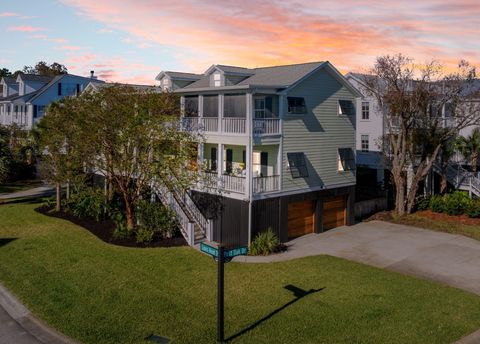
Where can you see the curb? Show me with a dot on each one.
(473, 338)
(29, 322)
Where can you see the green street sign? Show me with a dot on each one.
(228, 253)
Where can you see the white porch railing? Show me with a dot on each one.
(266, 126)
(225, 182)
(233, 125)
(190, 124)
(210, 124)
(266, 184)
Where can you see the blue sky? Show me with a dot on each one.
(132, 40)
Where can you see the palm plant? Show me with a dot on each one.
(469, 147)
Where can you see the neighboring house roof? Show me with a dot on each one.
(179, 75)
(97, 85)
(34, 77)
(9, 98)
(230, 70)
(9, 80)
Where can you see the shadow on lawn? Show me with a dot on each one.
(297, 292)
(5, 241)
(25, 200)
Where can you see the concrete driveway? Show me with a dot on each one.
(450, 259)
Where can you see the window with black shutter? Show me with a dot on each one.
(298, 165)
(59, 88)
(346, 159)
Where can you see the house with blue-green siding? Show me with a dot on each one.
(278, 149)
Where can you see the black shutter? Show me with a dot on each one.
(35, 111)
(264, 164)
(229, 161)
(213, 156)
(78, 89)
(268, 107)
(59, 88)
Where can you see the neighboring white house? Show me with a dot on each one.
(370, 128)
(25, 98)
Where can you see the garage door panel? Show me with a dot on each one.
(334, 212)
(301, 218)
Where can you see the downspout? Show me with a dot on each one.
(250, 184)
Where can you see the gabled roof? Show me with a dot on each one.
(279, 77)
(230, 70)
(179, 76)
(35, 78)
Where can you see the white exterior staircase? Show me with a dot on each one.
(461, 179)
(194, 226)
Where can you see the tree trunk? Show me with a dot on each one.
(68, 190)
(399, 194)
(129, 214)
(58, 190)
(443, 183)
(474, 162)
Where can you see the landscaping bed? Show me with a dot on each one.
(104, 230)
(99, 293)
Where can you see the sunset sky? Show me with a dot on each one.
(132, 40)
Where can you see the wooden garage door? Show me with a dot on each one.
(301, 218)
(334, 212)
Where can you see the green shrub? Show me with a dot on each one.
(474, 209)
(423, 202)
(155, 218)
(144, 235)
(456, 203)
(264, 244)
(437, 204)
(88, 203)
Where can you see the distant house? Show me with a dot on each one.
(279, 147)
(25, 98)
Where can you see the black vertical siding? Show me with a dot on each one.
(266, 214)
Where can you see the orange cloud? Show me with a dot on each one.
(268, 32)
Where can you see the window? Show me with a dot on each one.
(77, 92)
(346, 159)
(263, 107)
(345, 107)
(235, 105)
(191, 106)
(365, 110)
(296, 105)
(298, 165)
(364, 143)
(210, 106)
(217, 79)
(59, 89)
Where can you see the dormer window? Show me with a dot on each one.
(217, 79)
(165, 83)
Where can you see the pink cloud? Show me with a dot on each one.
(25, 28)
(8, 14)
(69, 48)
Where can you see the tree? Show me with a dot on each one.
(447, 152)
(4, 72)
(5, 154)
(43, 68)
(469, 147)
(57, 135)
(412, 99)
(131, 136)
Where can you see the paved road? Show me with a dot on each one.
(442, 257)
(40, 191)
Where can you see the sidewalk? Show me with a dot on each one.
(19, 326)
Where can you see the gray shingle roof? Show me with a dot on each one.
(37, 78)
(137, 87)
(266, 76)
(9, 80)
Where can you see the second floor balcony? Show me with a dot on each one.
(232, 114)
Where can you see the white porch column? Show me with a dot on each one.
(248, 167)
(281, 111)
(248, 115)
(220, 112)
(220, 163)
(200, 156)
(200, 112)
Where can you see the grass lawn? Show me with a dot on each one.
(19, 186)
(472, 231)
(99, 293)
